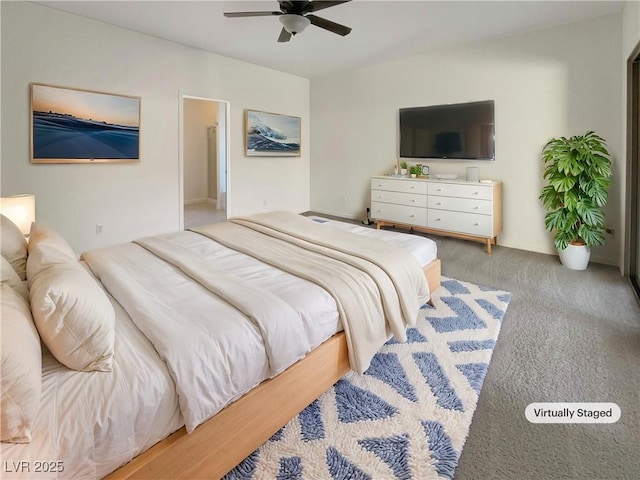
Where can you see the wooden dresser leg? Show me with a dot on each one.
(488, 246)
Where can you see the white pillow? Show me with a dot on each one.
(21, 378)
(42, 235)
(74, 317)
(43, 257)
(11, 278)
(13, 246)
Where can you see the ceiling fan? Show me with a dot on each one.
(295, 16)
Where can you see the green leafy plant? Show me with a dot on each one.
(414, 170)
(577, 171)
(403, 165)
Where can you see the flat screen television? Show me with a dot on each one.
(462, 131)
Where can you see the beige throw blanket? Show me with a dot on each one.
(279, 325)
(378, 288)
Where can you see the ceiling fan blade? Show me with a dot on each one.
(251, 14)
(329, 25)
(284, 36)
(321, 5)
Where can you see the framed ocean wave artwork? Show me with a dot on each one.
(272, 134)
(70, 125)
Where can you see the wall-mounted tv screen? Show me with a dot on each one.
(463, 131)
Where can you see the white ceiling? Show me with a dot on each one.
(382, 30)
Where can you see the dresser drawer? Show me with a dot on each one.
(397, 185)
(469, 205)
(469, 223)
(484, 192)
(400, 198)
(399, 213)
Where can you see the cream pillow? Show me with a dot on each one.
(43, 257)
(42, 235)
(13, 246)
(11, 278)
(74, 317)
(21, 378)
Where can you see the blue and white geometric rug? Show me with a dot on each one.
(408, 416)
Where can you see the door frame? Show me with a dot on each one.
(227, 140)
(632, 237)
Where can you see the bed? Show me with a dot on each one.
(90, 423)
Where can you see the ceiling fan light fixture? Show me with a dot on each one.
(294, 24)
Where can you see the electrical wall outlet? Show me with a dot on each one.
(98, 229)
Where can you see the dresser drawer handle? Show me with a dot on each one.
(439, 190)
(476, 224)
(412, 216)
(413, 201)
(438, 219)
(439, 203)
(412, 187)
(476, 193)
(379, 211)
(475, 208)
(382, 196)
(381, 184)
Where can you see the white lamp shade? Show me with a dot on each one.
(294, 23)
(21, 210)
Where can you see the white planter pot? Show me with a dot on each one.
(575, 257)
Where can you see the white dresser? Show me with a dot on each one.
(456, 208)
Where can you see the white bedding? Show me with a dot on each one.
(94, 422)
(91, 422)
(378, 288)
(425, 250)
(214, 352)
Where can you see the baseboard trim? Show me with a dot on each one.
(193, 201)
(334, 214)
(529, 248)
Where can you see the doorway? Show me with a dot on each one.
(204, 135)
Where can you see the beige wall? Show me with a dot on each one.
(560, 81)
(40, 44)
(198, 115)
(630, 27)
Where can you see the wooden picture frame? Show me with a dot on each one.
(71, 125)
(271, 134)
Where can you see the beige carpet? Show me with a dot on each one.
(569, 337)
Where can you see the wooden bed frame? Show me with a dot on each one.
(223, 441)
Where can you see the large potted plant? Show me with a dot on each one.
(577, 171)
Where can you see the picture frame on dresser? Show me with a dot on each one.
(73, 125)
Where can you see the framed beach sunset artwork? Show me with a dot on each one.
(272, 134)
(70, 125)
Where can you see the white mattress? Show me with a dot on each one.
(95, 422)
(424, 249)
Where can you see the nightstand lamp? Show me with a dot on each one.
(20, 209)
